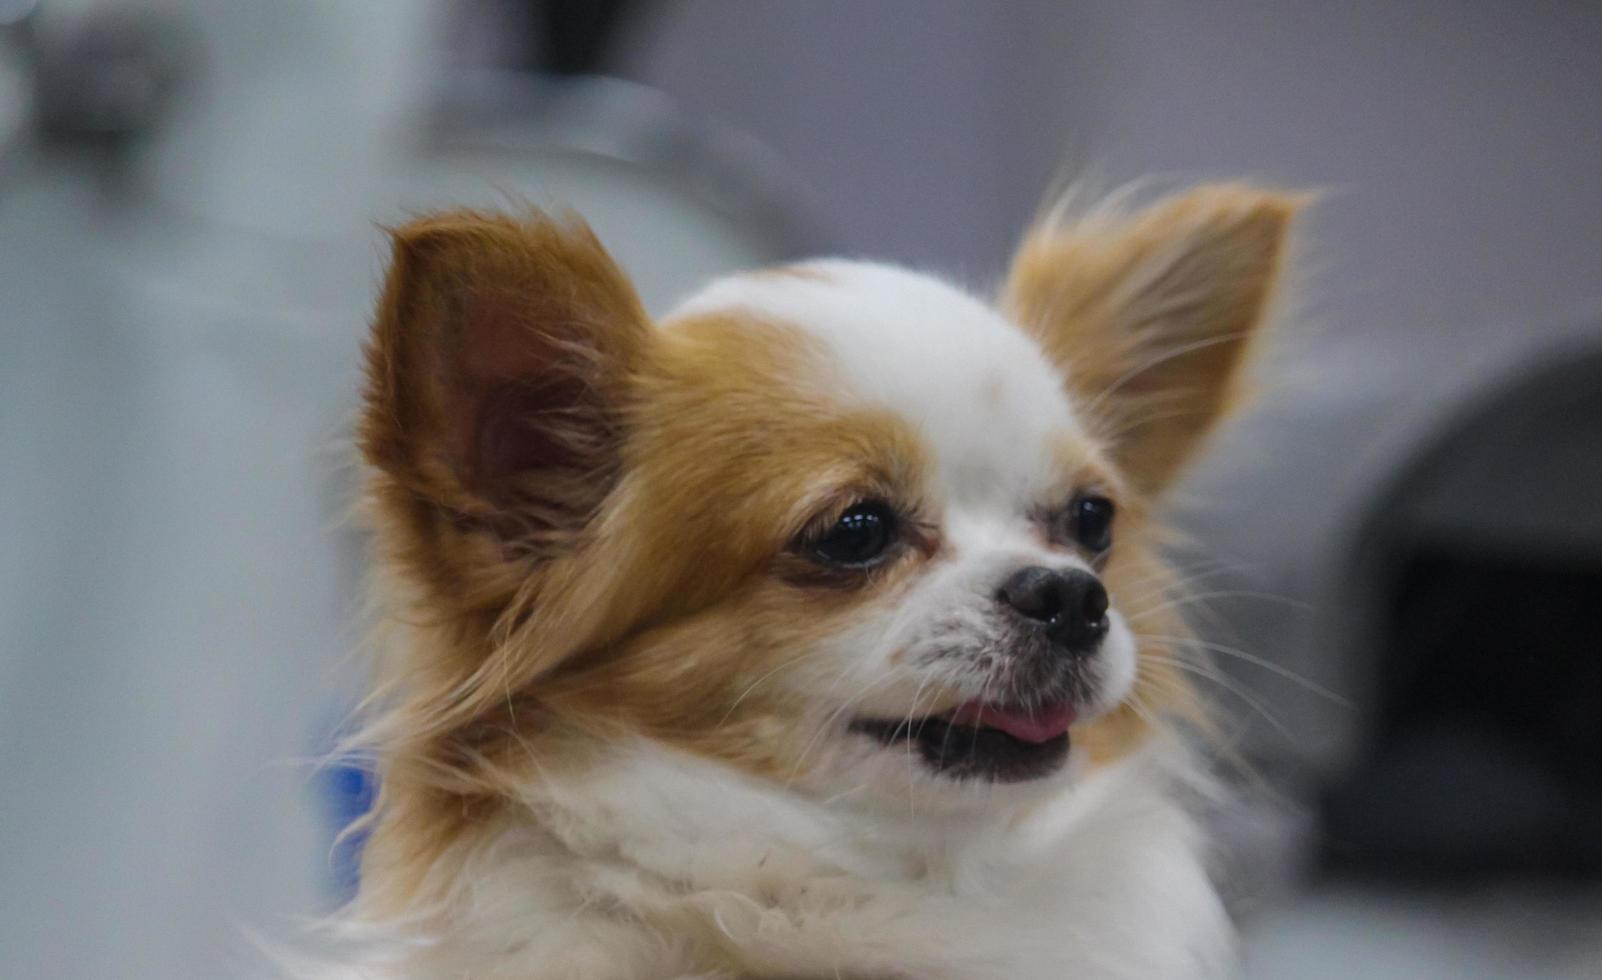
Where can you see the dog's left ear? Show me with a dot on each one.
(1151, 316)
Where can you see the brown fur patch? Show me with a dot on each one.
(735, 449)
(1151, 318)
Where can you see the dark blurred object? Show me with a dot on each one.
(573, 37)
(543, 37)
(111, 76)
(16, 75)
(1478, 590)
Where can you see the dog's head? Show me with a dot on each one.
(840, 525)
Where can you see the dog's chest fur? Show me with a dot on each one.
(657, 866)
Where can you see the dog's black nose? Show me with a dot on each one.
(1071, 604)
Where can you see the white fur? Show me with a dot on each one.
(632, 870)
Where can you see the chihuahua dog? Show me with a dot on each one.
(817, 630)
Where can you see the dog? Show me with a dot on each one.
(818, 630)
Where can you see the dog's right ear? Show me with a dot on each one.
(496, 379)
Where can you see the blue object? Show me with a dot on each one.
(347, 788)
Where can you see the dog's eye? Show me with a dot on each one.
(860, 537)
(1090, 521)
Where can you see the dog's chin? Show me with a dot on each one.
(983, 742)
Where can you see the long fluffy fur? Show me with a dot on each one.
(595, 742)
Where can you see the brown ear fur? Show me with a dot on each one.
(1151, 317)
(495, 378)
(499, 375)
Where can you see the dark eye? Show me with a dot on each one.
(860, 537)
(1090, 521)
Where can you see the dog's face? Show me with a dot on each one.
(929, 521)
(839, 525)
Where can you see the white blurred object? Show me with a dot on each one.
(301, 108)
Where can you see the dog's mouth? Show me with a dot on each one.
(984, 741)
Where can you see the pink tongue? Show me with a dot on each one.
(1042, 725)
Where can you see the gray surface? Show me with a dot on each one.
(1502, 933)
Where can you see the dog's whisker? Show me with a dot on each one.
(1182, 643)
(786, 665)
(912, 716)
(1193, 598)
(1236, 689)
(834, 716)
(1175, 583)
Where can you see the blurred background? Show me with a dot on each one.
(1399, 554)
